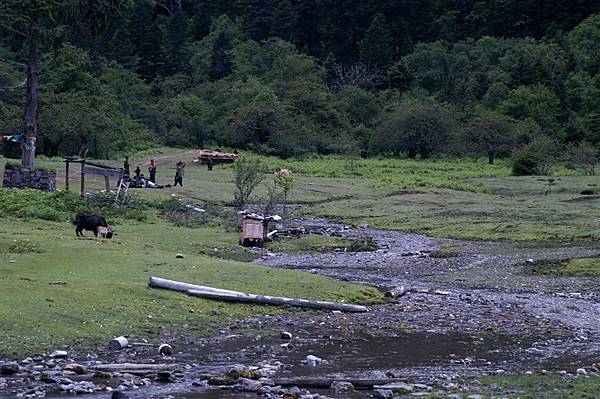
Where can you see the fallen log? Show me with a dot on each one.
(133, 368)
(274, 300)
(158, 282)
(236, 296)
(325, 383)
(396, 292)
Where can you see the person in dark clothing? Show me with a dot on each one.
(137, 173)
(209, 163)
(126, 167)
(179, 173)
(152, 171)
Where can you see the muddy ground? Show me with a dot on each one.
(484, 309)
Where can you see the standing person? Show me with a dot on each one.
(126, 166)
(137, 173)
(152, 170)
(179, 173)
(209, 163)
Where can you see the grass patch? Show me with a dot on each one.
(316, 243)
(106, 294)
(538, 386)
(448, 251)
(309, 243)
(582, 267)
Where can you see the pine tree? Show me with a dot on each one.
(220, 58)
(377, 45)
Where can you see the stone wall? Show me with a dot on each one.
(17, 177)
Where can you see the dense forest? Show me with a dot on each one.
(293, 77)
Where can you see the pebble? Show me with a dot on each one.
(312, 360)
(341, 387)
(58, 354)
(383, 394)
(9, 368)
(401, 387)
(581, 371)
(286, 335)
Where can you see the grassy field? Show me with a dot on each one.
(451, 198)
(538, 386)
(59, 290)
(105, 292)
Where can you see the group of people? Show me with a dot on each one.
(140, 180)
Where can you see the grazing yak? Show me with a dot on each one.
(91, 222)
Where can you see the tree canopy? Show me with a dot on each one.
(294, 77)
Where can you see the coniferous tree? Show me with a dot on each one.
(377, 46)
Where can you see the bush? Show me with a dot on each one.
(536, 158)
(363, 244)
(64, 205)
(248, 173)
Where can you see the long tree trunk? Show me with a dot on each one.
(30, 115)
(491, 156)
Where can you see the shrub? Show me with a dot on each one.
(248, 173)
(537, 157)
(363, 244)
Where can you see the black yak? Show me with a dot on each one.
(91, 222)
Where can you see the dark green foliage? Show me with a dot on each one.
(289, 78)
(63, 206)
(363, 244)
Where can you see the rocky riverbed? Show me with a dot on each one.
(471, 308)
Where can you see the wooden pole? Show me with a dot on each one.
(67, 175)
(236, 296)
(82, 177)
(106, 184)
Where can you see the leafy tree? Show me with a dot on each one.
(536, 157)
(492, 133)
(37, 23)
(248, 173)
(584, 157)
(537, 102)
(417, 127)
(585, 42)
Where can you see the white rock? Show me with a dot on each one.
(581, 371)
(56, 354)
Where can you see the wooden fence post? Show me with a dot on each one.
(82, 177)
(67, 175)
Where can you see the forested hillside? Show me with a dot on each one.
(291, 77)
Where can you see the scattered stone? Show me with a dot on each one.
(76, 368)
(165, 349)
(9, 368)
(221, 380)
(338, 387)
(581, 371)
(423, 387)
(165, 376)
(286, 335)
(383, 394)
(49, 379)
(396, 387)
(102, 375)
(179, 256)
(248, 385)
(312, 360)
(58, 354)
(118, 395)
